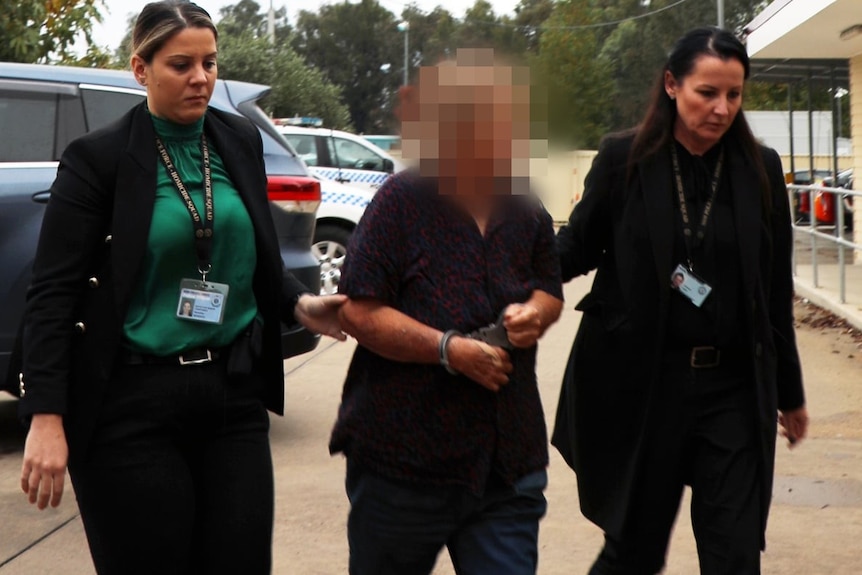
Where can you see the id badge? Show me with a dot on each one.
(688, 284)
(202, 301)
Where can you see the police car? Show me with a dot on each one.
(341, 207)
(340, 156)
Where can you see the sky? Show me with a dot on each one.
(110, 32)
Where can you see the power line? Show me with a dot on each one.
(597, 24)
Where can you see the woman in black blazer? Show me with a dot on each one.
(686, 353)
(152, 345)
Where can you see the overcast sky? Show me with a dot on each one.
(111, 31)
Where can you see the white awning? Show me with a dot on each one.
(804, 29)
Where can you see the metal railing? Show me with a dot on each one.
(830, 232)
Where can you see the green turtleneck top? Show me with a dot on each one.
(152, 326)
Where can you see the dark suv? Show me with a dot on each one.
(43, 108)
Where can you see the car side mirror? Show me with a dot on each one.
(388, 165)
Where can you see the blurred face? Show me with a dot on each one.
(707, 101)
(181, 76)
(469, 127)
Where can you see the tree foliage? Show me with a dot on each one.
(47, 31)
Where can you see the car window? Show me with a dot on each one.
(102, 107)
(27, 124)
(305, 146)
(349, 154)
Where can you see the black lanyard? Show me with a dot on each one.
(203, 226)
(692, 243)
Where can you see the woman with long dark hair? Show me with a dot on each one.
(686, 356)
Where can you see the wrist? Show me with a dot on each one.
(46, 420)
(443, 350)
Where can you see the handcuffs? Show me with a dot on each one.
(493, 334)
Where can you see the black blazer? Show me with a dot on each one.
(623, 227)
(93, 239)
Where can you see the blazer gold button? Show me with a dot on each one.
(94, 282)
(108, 238)
(80, 327)
(21, 391)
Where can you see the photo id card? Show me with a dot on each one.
(202, 301)
(688, 284)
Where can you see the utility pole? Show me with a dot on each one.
(720, 13)
(404, 27)
(270, 25)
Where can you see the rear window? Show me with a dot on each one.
(103, 107)
(27, 123)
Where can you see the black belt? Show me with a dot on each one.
(196, 356)
(704, 356)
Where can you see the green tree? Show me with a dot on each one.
(246, 54)
(579, 78)
(357, 47)
(48, 30)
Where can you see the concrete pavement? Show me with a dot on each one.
(815, 528)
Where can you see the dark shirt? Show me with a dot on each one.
(718, 321)
(416, 252)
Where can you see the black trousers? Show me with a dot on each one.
(705, 437)
(179, 477)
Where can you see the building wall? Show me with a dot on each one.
(856, 131)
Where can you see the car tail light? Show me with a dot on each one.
(298, 194)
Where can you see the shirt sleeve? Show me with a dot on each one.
(373, 267)
(546, 259)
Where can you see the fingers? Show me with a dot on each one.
(57, 493)
(26, 470)
(45, 487)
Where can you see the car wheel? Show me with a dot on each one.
(330, 248)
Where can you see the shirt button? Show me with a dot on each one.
(94, 282)
(80, 327)
(109, 238)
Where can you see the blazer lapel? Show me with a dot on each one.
(747, 207)
(655, 183)
(135, 194)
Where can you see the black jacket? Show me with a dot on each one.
(94, 236)
(623, 227)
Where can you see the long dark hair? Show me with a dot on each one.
(656, 129)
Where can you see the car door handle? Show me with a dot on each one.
(342, 180)
(41, 197)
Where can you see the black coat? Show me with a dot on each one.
(94, 236)
(623, 227)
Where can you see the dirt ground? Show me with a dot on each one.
(815, 526)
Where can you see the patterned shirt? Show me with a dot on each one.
(415, 251)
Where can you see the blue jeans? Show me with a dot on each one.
(397, 528)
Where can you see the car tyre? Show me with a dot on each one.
(330, 249)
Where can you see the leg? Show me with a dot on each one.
(135, 489)
(642, 546)
(234, 482)
(394, 528)
(725, 508)
(502, 537)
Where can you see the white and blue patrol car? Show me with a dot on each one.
(341, 207)
(339, 156)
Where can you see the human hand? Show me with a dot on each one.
(45, 456)
(320, 314)
(486, 365)
(793, 425)
(523, 323)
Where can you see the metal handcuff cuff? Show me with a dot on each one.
(493, 334)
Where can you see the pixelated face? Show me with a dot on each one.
(468, 125)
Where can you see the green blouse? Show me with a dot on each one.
(152, 325)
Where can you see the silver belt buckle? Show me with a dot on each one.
(198, 360)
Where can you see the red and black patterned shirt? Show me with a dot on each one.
(416, 252)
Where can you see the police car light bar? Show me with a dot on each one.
(304, 122)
